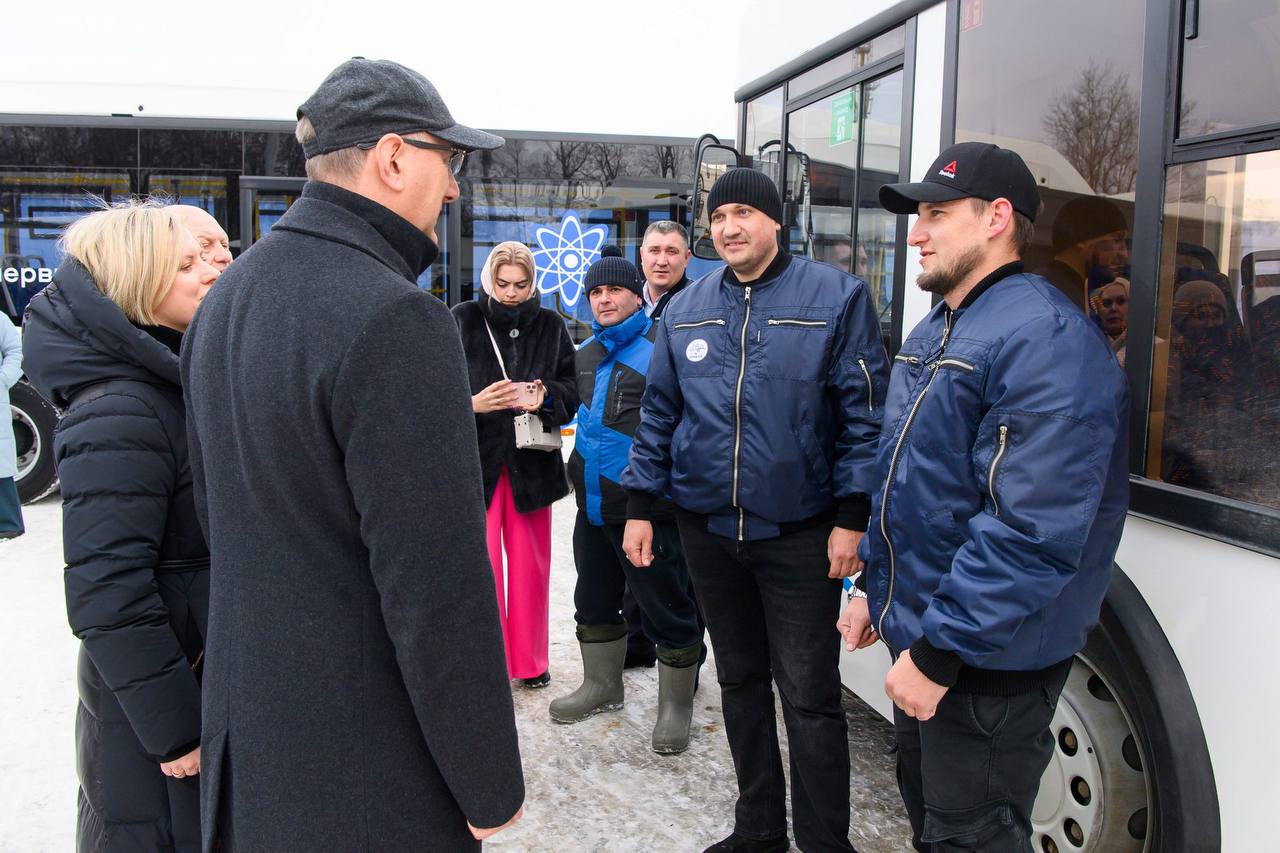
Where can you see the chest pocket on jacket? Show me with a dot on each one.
(954, 407)
(791, 343)
(699, 342)
(622, 409)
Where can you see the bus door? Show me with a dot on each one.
(846, 144)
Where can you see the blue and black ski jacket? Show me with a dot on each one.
(611, 369)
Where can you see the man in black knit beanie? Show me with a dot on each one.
(760, 422)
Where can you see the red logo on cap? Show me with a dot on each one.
(949, 170)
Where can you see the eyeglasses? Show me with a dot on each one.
(457, 156)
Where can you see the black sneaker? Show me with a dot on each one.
(735, 843)
(537, 681)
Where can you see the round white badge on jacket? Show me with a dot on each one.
(697, 350)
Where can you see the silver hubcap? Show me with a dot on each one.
(1093, 795)
(28, 458)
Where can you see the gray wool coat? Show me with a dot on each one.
(355, 689)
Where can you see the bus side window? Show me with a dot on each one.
(1215, 416)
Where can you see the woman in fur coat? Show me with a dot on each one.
(511, 340)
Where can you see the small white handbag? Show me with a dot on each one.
(531, 433)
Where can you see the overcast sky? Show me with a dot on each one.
(554, 66)
(651, 68)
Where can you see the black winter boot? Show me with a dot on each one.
(735, 843)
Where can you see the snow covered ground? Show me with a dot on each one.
(594, 786)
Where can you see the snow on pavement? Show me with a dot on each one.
(593, 786)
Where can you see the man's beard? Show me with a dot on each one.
(943, 281)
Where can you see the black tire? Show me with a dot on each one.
(1131, 769)
(34, 420)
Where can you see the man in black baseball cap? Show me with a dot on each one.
(969, 170)
(985, 587)
(324, 362)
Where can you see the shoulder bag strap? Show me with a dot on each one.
(501, 364)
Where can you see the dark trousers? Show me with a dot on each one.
(969, 775)
(769, 607)
(639, 646)
(660, 589)
(10, 505)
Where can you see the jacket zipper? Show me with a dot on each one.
(893, 465)
(699, 323)
(995, 465)
(737, 411)
(871, 401)
(615, 395)
(776, 322)
(909, 359)
(955, 362)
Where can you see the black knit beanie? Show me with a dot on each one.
(746, 186)
(614, 269)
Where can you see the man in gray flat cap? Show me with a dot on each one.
(355, 689)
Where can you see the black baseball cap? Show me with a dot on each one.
(363, 100)
(969, 170)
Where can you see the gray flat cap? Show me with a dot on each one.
(362, 100)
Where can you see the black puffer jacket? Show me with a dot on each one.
(137, 576)
(539, 349)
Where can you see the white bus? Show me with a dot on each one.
(1165, 115)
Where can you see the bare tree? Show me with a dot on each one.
(570, 159)
(607, 160)
(661, 160)
(1094, 125)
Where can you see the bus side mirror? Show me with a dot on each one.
(713, 161)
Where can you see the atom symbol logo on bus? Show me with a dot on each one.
(565, 255)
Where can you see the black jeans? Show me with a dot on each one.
(969, 775)
(770, 608)
(661, 589)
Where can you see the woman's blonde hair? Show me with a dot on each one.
(131, 250)
(509, 252)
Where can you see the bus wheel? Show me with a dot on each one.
(1093, 795)
(1131, 769)
(34, 419)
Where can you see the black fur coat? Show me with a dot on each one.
(540, 348)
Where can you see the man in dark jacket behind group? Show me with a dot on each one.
(1005, 485)
(355, 692)
(760, 420)
(664, 256)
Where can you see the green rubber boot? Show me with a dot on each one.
(601, 688)
(675, 708)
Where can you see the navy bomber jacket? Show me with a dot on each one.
(764, 401)
(1004, 486)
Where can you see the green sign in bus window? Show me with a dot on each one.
(844, 117)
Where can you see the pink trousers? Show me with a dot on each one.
(522, 598)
